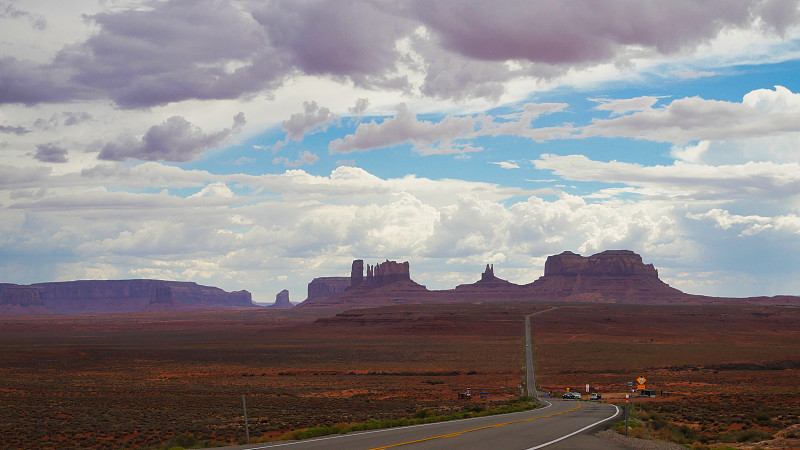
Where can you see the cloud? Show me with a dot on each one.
(305, 157)
(9, 11)
(622, 106)
(218, 190)
(313, 118)
(179, 50)
(19, 131)
(761, 113)
(174, 140)
(751, 224)
(50, 153)
(361, 105)
(557, 33)
(506, 164)
(404, 128)
(74, 118)
(759, 181)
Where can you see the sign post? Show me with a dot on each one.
(246, 426)
(627, 402)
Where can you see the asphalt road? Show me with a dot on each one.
(560, 425)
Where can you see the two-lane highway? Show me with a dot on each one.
(555, 424)
(526, 430)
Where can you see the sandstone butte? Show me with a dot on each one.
(612, 276)
(282, 301)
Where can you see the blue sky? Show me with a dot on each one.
(257, 145)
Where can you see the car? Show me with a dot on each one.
(571, 396)
(595, 396)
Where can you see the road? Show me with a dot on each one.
(558, 425)
(530, 380)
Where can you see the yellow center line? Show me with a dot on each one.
(458, 433)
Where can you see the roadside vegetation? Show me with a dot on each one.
(700, 423)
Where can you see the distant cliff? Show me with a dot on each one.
(324, 287)
(609, 276)
(114, 296)
(613, 276)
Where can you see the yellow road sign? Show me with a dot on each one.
(641, 380)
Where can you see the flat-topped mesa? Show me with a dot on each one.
(324, 287)
(21, 295)
(609, 263)
(161, 295)
(609, 276)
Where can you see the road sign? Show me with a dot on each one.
(641, 380)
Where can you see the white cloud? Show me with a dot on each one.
(506, 164)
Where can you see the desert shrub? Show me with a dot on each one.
(683, 435)
(747, 435)
(422, 413)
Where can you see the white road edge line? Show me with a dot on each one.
(616, 411)
(389, 429)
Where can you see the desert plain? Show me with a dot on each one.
(141, 380)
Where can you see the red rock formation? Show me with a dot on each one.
(161, 295)
(489, 288)
(356, 273)
(324, 287)
(387, 272)
(111, 296)
(11, 294)
(609, 276)
(386, 283)
(15, 299)
(282, 301)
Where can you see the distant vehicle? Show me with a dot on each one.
(595, 396)
(571, 396)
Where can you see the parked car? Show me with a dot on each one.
(595, 396)
(571, 396)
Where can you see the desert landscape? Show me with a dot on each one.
(149, 380)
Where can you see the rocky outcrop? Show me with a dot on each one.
(114, 296)
(15, 299)
(609, 276)
(607, 263)
(282, 301)
(161, 295)
(489, 287)
(378, 275)
(386, 283)
(324, 287)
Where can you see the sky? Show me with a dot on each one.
(260, 144)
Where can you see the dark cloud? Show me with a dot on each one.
(9, 11)
(176, 140)
(14, 130)
(577, 32)
(30, 83)
(50, 153)
(179, 50)
(360, 106)
(349, 38)
(74, 118)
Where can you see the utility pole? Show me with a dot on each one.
(246, 427)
